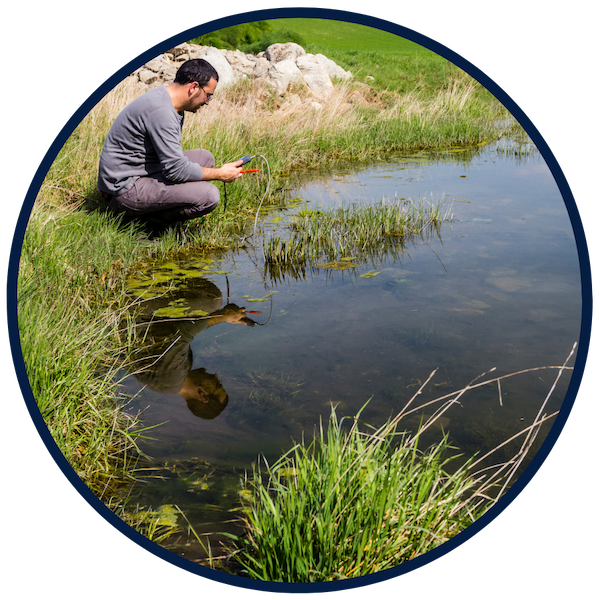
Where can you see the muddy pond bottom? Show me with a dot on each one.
(239, 363)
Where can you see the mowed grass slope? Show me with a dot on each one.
(343, 35)
(395, 63)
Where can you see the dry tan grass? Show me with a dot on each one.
(254, 108)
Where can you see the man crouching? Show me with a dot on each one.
(144, 172)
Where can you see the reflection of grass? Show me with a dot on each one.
(157, 277)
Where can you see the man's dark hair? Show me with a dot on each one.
(197, 69)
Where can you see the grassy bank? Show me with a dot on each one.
(402, 97)
(75, 255)
(70, 298)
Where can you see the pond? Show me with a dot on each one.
(239, 362)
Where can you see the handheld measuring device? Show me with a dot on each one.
(245, 159)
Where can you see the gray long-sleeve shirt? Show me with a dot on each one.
(145, 139)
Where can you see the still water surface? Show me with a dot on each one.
(500, 287)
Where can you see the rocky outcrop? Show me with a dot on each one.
(279, 66)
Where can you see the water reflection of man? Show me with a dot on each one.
(164, 361)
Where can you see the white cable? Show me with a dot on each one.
(243, 239)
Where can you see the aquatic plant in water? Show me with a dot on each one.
(272, 396)
(157, 277)
(353, 232)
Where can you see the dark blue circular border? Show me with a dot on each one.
(584, 263)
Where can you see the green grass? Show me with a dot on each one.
(254, 37)
(351, 503)
(382, 59)
(350, 37)
(71, 307)
(234, 37)
(353, 232)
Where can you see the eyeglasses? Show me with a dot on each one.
(208, 96)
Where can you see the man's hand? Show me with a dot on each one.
(227, 172)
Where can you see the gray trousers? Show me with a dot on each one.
(160, 201)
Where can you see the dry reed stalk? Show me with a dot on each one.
(448, 400)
